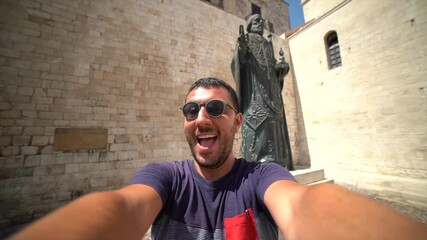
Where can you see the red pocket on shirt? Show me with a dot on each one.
(241, 226)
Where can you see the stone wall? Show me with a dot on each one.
(90, 92)
(366, 121)
(315, 8)
(276, 11)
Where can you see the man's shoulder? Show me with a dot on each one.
(169, 164)
(166, 168)
(162, 176)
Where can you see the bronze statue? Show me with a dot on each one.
(259, 82)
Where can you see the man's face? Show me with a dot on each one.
(257, 25)
(211, 139)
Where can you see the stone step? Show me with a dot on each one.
(326, 180)
(310, 176)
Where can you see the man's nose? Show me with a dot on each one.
(203, 117)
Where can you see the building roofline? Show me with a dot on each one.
(294, 32)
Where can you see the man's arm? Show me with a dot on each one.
(327, 211)
(123, 214)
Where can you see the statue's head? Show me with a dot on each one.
(255, 24)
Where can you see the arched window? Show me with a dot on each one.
(333, 50)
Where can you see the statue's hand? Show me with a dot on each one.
(243, 43)
(242, 40)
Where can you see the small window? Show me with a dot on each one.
(333, 50)
(256, 9)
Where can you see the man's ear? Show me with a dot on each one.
(239, 120)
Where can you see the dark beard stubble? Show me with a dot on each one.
(221, 159)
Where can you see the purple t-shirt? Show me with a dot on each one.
(194, 208)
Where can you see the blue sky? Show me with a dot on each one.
(295, 13)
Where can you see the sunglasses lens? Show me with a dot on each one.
(215, 108)
(190, 110)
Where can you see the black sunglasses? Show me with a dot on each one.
(214, 108)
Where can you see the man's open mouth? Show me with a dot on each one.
(206, 141)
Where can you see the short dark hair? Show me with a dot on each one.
(211, 82)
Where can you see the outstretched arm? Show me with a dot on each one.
(327, 211)
(123, 214)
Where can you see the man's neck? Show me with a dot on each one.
(217, 173)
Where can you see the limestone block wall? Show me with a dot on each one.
(294, 115)
(366, 121)
(90, 92)
(276, 11)
(316, 8)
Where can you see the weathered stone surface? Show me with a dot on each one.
(6, 173)
(128, 71)
(366, 121)
(78, 139)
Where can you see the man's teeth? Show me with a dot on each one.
(206, 141)
(206, 136)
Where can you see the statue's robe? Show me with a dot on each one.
(264, 130)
